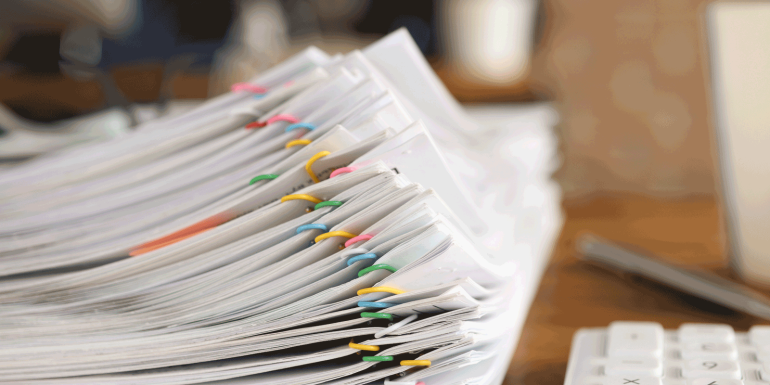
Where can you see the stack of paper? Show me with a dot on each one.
(337, 220)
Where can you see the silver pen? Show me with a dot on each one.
(697, 283)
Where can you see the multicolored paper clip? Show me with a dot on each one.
(328, 204)
(283, 118)
(262, 177)
(248, 87)
(361, 258)
(379, 266)
(307, 126)
(342, 170)
(277, 118)
(304, 197)
(415, 363)
(369, 348)
(256, 124)
(390, 329)
(380, 289)
(333, 234)
(298, 142)
(368, 314)
(309, 165)
(378, 305)
(377, 358)
(311, 226)
(354, 240)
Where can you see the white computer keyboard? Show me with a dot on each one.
(642, 353)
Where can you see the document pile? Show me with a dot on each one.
(329, 222)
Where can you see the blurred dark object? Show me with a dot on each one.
(35, 52)
(104, 53)
(112, 17)
(418, 17)
(77, 61)
(170, 28)
(481, 49)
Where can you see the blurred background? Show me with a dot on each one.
(627, 78)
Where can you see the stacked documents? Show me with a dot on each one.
(336, 220)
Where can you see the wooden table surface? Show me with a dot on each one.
(572, 294)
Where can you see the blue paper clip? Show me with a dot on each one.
(361, 257)
(311, 226)
(295, 126)
(379, 305)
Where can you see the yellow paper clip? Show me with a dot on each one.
(303, 197)
(370, 348)
(380, 289)
(309, 165)
(334, 234)
(415, 363)
(298, 142)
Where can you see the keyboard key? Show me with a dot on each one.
(692, 332)
(631, 380)
(640, 366)
(635, 339)
(641, 353)
(713, 381)
(696, 369)
(759, 335)
(710, 350)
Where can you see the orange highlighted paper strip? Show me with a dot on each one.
(185, 233)
(144, 250)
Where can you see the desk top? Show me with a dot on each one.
(573, 294)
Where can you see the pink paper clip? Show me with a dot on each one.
(248, 87)
(283, 118)
(362, 237)
(342, 170)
